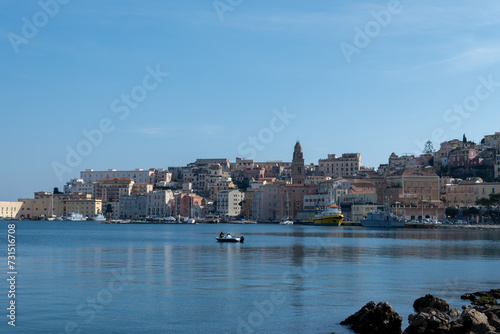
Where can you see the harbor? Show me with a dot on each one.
(317, 275)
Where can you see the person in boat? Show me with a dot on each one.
(221, 235)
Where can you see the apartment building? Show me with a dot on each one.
(133, 206)
(111, 189)
(138, 175)
(86, 206)
(411, 187)
(160, 203)
(333, 166)
(229, 203)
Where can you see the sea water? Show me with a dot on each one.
(86, 277)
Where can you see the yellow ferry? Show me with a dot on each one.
(332, 215)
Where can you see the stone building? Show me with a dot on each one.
(298, 171)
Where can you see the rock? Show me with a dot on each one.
(428, 321)
(474, 317)
(472, 321)
(495, 293)
(375, 319)
(430, 301)
(485, 300)
(469, 296)
(483, 297)
(454, 313)
(493, 318)
(357, 316)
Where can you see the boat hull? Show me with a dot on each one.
(382, 223)
(333, 220)
(231, 240)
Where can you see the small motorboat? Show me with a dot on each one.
(286, 221)
(229, 238)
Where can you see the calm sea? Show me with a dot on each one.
(85, 277)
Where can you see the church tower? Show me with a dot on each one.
(298, 172)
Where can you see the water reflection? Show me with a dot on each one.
(182, 276)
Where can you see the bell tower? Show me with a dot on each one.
(298, 172)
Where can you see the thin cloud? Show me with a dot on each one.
(466, 61)
(207, 130)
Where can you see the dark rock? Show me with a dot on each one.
(493, 316)
(375, 319)
(485, 300)
(495, 293)
(457, 327)
(357, 316)
(454, 313)
(483, 297)
(430, 301)
(469, 296)
(428, 321)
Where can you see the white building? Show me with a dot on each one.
(160, 203)
(10, 209)
(228, 202)
(138, 175)
(79, 186)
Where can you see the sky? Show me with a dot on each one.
(152, 84)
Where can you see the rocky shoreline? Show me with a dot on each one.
(432, 316)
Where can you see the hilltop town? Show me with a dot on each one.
(460, 179)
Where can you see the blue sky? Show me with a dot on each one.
(231, 71)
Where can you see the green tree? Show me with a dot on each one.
(472, 211)
(109, 210)
(495, 202)
(495, 199)
(243, 185)
(484, 201)
(428, 148)
(56, 191)
(464, 139)
(451, 212)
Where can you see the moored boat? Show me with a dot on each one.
(73, 216)
(98, 217)
(330, 216)
(384, 219)
(211, 219)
